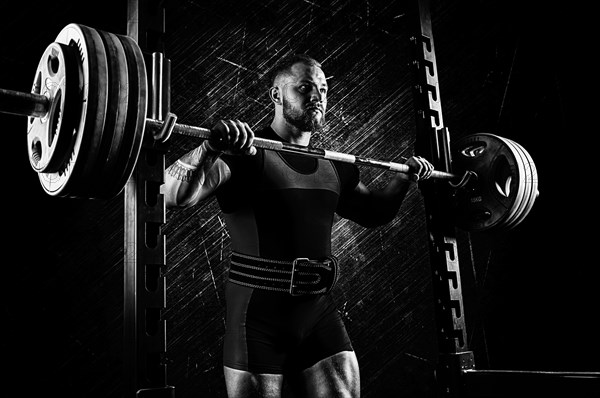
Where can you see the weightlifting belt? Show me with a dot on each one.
(300, 276)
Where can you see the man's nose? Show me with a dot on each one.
(316, 95)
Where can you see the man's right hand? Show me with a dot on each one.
(232, 137)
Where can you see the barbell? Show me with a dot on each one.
(86, 121)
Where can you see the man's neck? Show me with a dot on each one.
(290, 133)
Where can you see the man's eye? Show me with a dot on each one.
(304, 89)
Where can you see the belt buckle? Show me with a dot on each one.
(294, 263)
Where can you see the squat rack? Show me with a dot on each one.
(145, 214)
(145, 259)
(456, 374)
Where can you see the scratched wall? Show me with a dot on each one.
(219, 53)
(529, 294)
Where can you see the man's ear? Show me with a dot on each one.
(275, 95)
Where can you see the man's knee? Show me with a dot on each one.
(336, 376)
(242, 384)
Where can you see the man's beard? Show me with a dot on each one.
(302, 120)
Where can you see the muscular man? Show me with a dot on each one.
(279, 210)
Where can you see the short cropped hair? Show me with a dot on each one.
(284, 66)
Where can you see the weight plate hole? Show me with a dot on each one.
(53, 64)
(36, 152)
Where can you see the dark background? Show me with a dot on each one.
(504, 68)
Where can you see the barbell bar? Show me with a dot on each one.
(35, 105)
(279, 146)
(85, 131)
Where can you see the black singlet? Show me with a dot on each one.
(281, 206)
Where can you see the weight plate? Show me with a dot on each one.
(523, 181)
(531, 181)
(49, 137)
(534, 178)
(136, 113)
(524, 185)
(486, 201)
(107, 166)
(70, 179)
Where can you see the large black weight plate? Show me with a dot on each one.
(107, 167)
(136, 114)
(488, 200)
